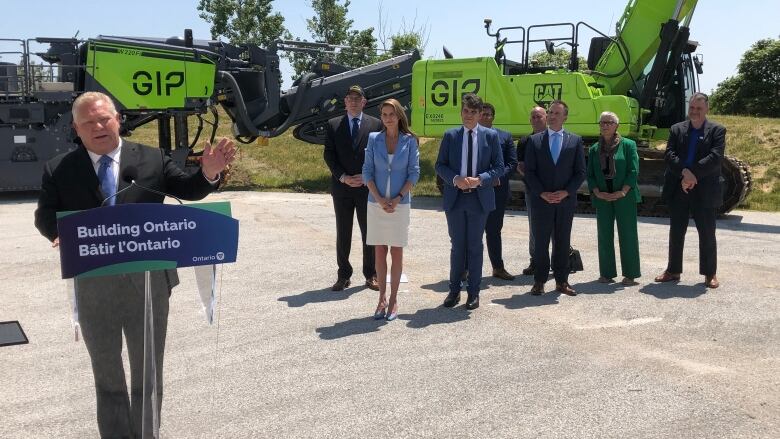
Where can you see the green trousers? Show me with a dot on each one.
(622, 211)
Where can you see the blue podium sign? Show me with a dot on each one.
(128, 238)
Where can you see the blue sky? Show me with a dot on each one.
(724, 30)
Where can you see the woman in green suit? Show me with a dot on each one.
(613, 166)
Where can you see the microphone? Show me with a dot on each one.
(128, 176)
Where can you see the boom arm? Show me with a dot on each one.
(638, 32)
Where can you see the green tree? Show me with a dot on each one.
(404, 40)
(243, 21)
(330, 25)
(361, 51)
(727, 97)
(560, 59)
(755, 89)
(401, 43)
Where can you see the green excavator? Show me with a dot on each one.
(645, 73)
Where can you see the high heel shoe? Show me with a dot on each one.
(379, 314)
(392, 315)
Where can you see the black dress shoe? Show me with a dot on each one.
(472, 303)
(538, 289)
(340, 284)
(451, 300)
(529, 270)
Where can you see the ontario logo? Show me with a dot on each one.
(219, 256)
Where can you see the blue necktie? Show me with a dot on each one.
(555, 147)
(107, 180)
(355, 129)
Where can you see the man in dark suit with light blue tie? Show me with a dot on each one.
(469, 161)
(554, 170)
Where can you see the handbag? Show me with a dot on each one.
(575, 260)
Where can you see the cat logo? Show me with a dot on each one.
(547, 92)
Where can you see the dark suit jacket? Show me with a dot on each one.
(710, 148)
(543, 175)
(509, 155)
(70, 183)
(490, 165)
(342, 158)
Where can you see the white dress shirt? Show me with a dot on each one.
(115, 154)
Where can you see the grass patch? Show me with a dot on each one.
(287, 164)
(756, 141)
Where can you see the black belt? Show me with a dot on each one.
(468, 191)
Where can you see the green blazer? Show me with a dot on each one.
(626, 171)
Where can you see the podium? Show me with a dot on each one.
(132, 238)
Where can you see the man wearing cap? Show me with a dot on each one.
(345, 146)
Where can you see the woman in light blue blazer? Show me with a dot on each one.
(390, 170)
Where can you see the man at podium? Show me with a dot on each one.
(97, 174)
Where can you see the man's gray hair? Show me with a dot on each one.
(700, 96)
(90, 97)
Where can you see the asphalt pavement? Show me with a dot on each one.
(288, 358)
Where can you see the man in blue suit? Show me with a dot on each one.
(495, 220)
(469, 161)
(554, 170)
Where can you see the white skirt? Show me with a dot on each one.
(388, 228)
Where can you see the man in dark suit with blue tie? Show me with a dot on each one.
(469, 161)
(495, 220)
(345, 149)
(554, 170)
(93, 175)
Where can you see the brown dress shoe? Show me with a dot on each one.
(372, 283)
(537, 289)
(667, 277)
(565, 288)
(501, 273)
(340, 284)
(711, 281)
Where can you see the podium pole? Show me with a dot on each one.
(150, 418)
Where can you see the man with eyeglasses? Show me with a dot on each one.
(469, 162)
(344, 152)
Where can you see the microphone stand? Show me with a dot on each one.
(151, 400)
(133, 183)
